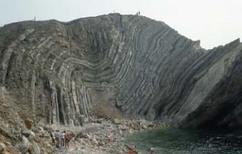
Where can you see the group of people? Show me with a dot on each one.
(61, 139)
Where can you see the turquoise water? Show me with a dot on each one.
(184, 141)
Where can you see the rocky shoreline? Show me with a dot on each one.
(106, 136)
(96, 136)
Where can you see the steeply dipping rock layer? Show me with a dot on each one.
(61, 72)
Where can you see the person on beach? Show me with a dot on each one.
(57, 138)
(52, 136)
(68, 137)
(63, 134)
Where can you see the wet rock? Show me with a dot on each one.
(151, 150)
(210, 145)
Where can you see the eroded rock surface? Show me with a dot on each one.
(131, 65)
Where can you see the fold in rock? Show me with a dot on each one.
(120, 65)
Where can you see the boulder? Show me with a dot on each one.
(2, 147)
(117, 121)
(34, 148)
(24, 146)
(28, 123)
(29, 134)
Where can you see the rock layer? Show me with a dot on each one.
(60, 72)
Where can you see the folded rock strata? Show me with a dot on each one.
(60, 72)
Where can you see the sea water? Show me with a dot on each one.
(187, 141)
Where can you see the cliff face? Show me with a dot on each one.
(60, 72)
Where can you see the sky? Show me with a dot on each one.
(213, 22)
